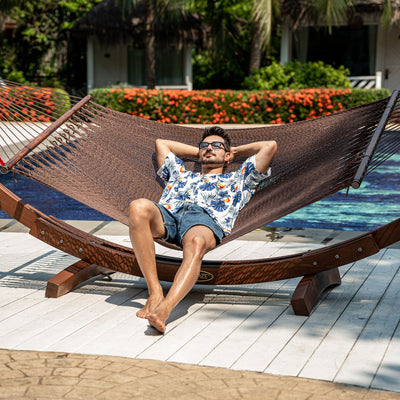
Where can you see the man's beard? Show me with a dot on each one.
(211, 161)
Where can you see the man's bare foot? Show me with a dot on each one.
(152, 302)
(159, 316)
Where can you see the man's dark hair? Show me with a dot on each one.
(217, 131)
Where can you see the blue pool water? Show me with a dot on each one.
(376, 203)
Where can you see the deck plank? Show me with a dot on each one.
(10, 295)
(65, 321)
(387, 376)
(242, 251)
(288, 342)
(133, 335)
(114, 310)
(247, 332)
(345, 332)
(24, 300)
(236, 311)
(360, 364)
(36, 318)
(267, 346)
(185, 311)
(295, 354)
(184, 332)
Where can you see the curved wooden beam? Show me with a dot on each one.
(119, 258)
(97, 252)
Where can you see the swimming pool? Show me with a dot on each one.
(376, 203)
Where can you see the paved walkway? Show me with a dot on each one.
(58, 375)
(39, 375)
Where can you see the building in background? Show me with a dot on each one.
(109, 42)
(360, 43)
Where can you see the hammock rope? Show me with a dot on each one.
(105, 159)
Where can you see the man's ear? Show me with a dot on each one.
(228, 158)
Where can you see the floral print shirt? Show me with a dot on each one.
(221, 195)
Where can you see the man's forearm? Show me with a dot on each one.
(247, 150)
(181, 150)
(264, 152)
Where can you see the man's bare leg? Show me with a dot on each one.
(146, 223)
(196, 243)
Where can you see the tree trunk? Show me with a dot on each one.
(256, 49)
(150, 45)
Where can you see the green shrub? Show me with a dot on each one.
(295, 75)
(362, 96)
(61, 99)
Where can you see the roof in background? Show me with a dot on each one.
(294, 10)
(108, 21)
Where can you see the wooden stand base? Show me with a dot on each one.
(310, 288)
(303, 300)
(70, 277)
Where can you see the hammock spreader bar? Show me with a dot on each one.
(358, 177)
(42, 136)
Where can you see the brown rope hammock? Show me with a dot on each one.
(105, 159)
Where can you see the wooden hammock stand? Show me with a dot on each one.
(319, 268)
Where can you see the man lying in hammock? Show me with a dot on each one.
(195, 211)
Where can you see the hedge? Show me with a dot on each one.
(231, 106)
(203, 106)
(27, 104)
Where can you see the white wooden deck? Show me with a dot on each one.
(352, 336)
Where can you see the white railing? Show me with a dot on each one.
(367, 82)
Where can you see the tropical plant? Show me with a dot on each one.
(296, 75)
(224, 62)
(264, 14)
(331, 11)
(37, 49)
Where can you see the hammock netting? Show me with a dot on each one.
(105, 159)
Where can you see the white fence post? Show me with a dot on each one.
(378, 80)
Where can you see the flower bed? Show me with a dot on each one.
(197, 106)
(27, 104)
(229, 106)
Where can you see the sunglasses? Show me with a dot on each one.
(214, 145)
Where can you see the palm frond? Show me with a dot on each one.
(333, 11)
(387, 13)
(264, 12)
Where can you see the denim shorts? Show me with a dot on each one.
(177, 224)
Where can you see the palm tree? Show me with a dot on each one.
(166, 9)
(389, 16)
(328, 10)
(150, 41)
(264, 13)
